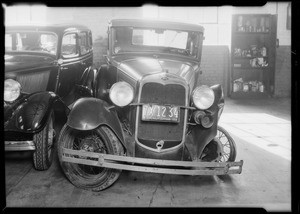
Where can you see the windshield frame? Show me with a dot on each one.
(156, 49)
(37, 51)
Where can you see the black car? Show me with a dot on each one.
(46, 69)
(148, 112)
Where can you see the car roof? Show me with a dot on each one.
(47, 27)
(154, 23)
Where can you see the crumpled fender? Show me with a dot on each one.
(199, 136)
(30, 114)
(89, 113)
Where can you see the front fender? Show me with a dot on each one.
(199, 136)
(89, 113)
(30, 114)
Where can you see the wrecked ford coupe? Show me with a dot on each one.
(148, 113)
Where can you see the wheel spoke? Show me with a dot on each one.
(221, 134)
(226, 155)
(226, 145)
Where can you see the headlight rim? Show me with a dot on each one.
(113, 86)
(19, 90)
(213, 96)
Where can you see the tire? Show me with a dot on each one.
(101, 140)
(229, 146)
(44, 146)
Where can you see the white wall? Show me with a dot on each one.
(216, 20)
(283, 34)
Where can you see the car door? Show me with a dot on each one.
(86, 54)
(77, 55)
(71, 63)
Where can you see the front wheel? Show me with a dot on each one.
(229, 147)
(99, 140)
(44, 141)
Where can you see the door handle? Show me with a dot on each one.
(64, 68)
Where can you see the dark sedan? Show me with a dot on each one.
(46, 69)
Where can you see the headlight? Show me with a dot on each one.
(12, 90)
(121, 94)
(203, 97)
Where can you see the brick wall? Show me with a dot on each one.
(283, 72)
(215, 66)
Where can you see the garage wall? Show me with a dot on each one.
(216, 21)
(283, 70)
(282, 76)
(215, 65)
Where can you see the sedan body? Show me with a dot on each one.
(42, 77)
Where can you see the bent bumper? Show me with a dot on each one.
(151, 165)
(19, 145)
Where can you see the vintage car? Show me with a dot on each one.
(148, 113)
(46, 69)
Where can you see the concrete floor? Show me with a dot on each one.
(262, 131)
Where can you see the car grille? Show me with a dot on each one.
(149, 133)
(34, 82)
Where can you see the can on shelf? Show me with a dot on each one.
(245, 87)
(262, 88)
(264, 51)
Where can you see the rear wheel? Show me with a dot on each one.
(100, 140)
(44, 146)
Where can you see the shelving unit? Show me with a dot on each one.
(253, 48)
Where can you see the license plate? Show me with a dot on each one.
(160, 113)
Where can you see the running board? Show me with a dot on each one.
(151, 165)
(19, 145)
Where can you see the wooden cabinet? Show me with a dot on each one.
(253, 50)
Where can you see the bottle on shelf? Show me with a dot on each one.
(254, 24)
(267, 24)
(240, 24)
(262, 24)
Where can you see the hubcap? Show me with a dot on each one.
(90, 143)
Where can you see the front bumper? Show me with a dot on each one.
(19, 145)
(151, 165)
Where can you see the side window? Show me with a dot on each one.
(83, 43)
(69, 48)
(13, 42)
(8, 42)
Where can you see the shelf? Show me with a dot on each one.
(243, 42)
(251, 68)
(249, 57)
(248, 95)
(250, 33)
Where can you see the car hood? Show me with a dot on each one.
(19, 62)
(139, 67)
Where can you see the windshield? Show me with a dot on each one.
(128, 39)
(31, 41)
